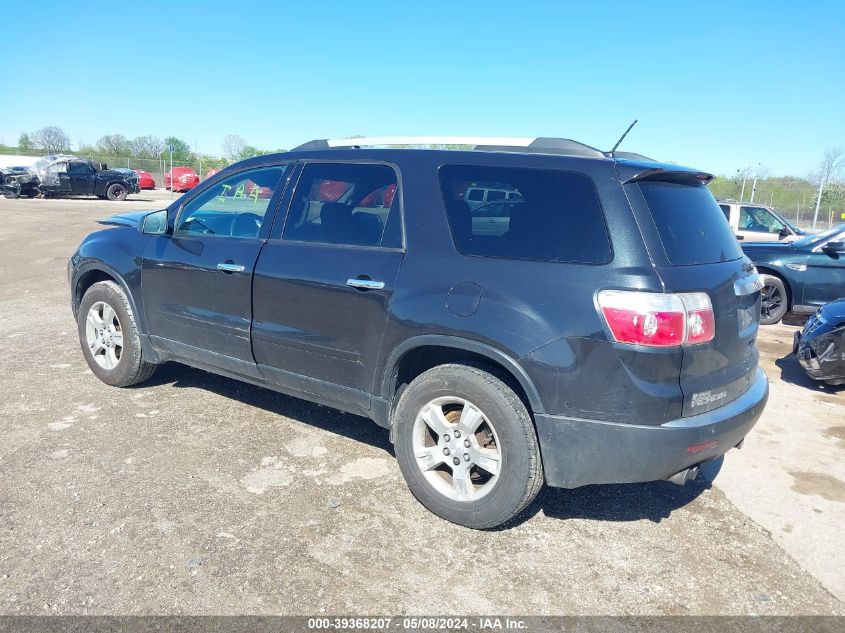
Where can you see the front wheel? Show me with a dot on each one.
(774, 303)
(109, 336)
(116, 191)
(466, 446)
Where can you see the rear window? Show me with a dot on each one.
(691, 225)
(544, 215)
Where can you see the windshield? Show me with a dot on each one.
(786, 221)
(811, 240)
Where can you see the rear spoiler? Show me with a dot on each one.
(684, 177)
(636, 171)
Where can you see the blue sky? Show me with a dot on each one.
(718, 85)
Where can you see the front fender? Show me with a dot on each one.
(116, 253)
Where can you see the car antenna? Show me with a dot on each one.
(622, 138)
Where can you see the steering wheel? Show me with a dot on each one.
(246, 225)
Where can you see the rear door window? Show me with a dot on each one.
(352, 204)
(690, 223)
(540, 214)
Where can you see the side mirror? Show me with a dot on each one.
(784, 232)
(835, 247)
(155, 223)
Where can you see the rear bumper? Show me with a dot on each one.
(577, 452)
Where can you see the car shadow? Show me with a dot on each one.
(348, 425)
(792, 372)
(652, 501)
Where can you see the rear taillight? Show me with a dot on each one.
(657, 319)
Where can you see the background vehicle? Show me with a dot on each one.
(475, 349)
(758, 223)
(493, 218)
(18, 181)
(181, 179)
(475, 196)
(799, 276)
(145, 179)
(63, 175)
(820, 346)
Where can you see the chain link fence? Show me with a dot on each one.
(794, 198)
(157, 167)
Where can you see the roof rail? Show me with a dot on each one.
(539, 145)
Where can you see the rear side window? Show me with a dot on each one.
(536, 214)
(690, 223)
(349, 204)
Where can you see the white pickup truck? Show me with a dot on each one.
(758, 223)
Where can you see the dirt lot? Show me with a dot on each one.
(196, 494)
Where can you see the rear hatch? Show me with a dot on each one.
(694, 250)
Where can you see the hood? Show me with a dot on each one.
(132, 218)
(834, 312)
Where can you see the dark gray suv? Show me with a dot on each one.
(598, 325)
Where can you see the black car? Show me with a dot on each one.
(800, 276)
(820, 346)
(60, 175)
(604, 333)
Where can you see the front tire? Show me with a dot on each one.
(774, 300)
(116, 191)
(466, 446)
(109, 336)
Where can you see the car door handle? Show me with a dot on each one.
(365, 284)
(228, 267)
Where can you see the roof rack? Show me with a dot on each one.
(534, 145)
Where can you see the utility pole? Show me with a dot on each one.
(171, 172)
(744, 178)
(818, 201)
(753, 188)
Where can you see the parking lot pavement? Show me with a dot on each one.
(198, 494)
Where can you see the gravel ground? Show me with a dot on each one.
(196, 494)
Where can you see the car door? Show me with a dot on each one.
(758, 224)
(196, 281)
(81, 175)
(56, 179)
(324, 281)
(824, 279)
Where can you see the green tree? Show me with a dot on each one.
(24, 144)
(181, 150)
(249, 152)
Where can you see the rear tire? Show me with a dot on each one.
(109, 336)
(465, 414)
(116, 191)
(775, 301)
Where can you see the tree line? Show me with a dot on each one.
(788, 192)
(54, 140)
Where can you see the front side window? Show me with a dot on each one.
(759, 220)
(352, 204)
(234, 207)
(78, 168)
(535, 214)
